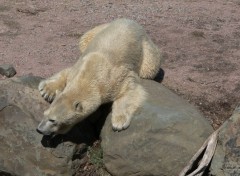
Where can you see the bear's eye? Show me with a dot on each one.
(77, 106)
(51, 120)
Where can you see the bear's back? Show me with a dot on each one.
(121, 41)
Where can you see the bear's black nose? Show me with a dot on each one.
(39, 131)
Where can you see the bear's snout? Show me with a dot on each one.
(39, 131)
(45, 127)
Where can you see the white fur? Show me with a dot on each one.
(114, 57)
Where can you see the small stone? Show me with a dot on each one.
(7, 70)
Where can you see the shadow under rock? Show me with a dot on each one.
(87, 131)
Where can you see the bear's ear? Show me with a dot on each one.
(77, 106)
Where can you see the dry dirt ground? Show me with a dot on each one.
(200, 42)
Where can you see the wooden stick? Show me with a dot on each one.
(209, 146)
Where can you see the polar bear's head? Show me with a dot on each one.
(67, 109)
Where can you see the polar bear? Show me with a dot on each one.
(114, 56)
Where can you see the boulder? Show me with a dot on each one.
(161, 139)
(226, 160)
(28, 80)
(23, 150)
(7, 70)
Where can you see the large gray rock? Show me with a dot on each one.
(161, 139)
(24, 152)
(226, 160)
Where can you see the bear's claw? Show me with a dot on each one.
(46, 92)
(120, 123)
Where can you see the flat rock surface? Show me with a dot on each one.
(161, 139)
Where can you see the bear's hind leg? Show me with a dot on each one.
(126, 106)
(151, 60)
(52, 86)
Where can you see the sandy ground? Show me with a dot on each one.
(199, 40)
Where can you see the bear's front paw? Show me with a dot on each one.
(47, 90)
(120, 122)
